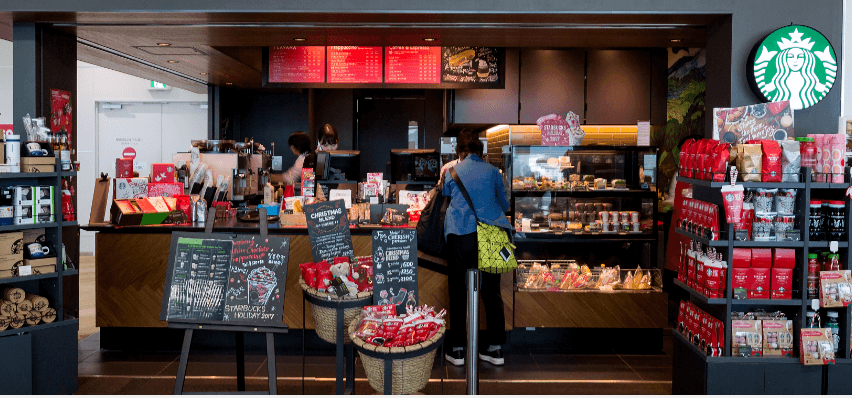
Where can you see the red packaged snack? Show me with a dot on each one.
(701, 159)
(435, 327)
(782, 284)
(376, 340)
(720, 161)
(771, 169)
(381, 310)
(338, 260)
(309, 274)
(390, 327)
(369, 327)
(784, 258)
(323, 275)
(421, 330)
(681, 316)
(686, 158)
(184, 204)
(742, 279)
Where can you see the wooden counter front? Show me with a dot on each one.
(131, 271)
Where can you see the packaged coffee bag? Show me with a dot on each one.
(771, 161)
(749, 161)
(791, 161)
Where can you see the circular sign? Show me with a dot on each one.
(129, 153)
(794, 63)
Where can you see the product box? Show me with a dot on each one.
(130, 188)
(696, 325)
(720, 338)
(761, 258)
(699, 274)
(159, 204)
(715, 276)
(154, 211)
(43, 164)
(690, 272)
(33, 235)
(778, 338)
(742, 258)
(124, 168)
(162, 172)
(167, 189)
(125, 212)
(44, 194)
(835, 288)
(11, 261)
(681, 317)
(12, 243)
(705, 331)
(747, 338)
(689, 313)
(44, 213)
(742, 280)
(41, 265)
(7, 196)
(816, 346)
(24, 214)
(784, 258)
(782, 284)
(760, 283)
(23, 195)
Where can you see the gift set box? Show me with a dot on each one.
(165, 189)
(763, 273)
(123, 168)
(130, 188)
(141, 211)
(162, 172)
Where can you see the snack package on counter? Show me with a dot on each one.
(609, 278)
(746, 338)
(835, 288)
(637, 280)
(791, 160)
(816, 346)
(749, 162)
(778, 338)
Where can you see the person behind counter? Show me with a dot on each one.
(484, 184)
(300, 144)
(327, 138)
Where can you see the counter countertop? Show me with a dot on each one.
(225, 226)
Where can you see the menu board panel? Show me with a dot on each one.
(395, 268)
(297, 64)
(216, 279)
(328, 230)
(354, 64)
(413, 64)
(470, 64)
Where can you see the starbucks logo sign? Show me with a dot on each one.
(794, 63)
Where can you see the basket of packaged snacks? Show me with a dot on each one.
(337, 289)
(398, 349)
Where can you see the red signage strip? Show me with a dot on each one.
(413, 64)
(297, 64)
(354, 64)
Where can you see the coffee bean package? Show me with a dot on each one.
(816, 346)
(749, 161)
(771, 161)
(791, 161)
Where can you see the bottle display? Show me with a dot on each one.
(834, 325)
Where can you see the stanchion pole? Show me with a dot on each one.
(473, 284)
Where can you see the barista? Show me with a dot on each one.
(327, 138)
(300, 144)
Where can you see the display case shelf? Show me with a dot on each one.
(577, 238)
(824, 244)
(21, 176)
(749, 360)
(595, 193)
(700, 297)
(68, 174)
(40, 326)
(829, 185)
(701, 239)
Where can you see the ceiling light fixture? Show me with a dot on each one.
(163, 44)
(229, 84)
(676, 40)
(203, 73)
(299, 39)
(428, 39)
(171, 61)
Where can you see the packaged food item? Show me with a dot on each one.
(778, 338)
(760, 283)
(771, 161)
(368, 327)
(746, 338)
(763, 226)
(791, 160)
(323, 275)
(816, 347)
(732, 195)
(719, 161)
(686, 158)
(309, 274)
(764, 199)
(749, 162)
(835, 288)
(785, 201)
(782, 284)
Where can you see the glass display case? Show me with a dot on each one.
(581, 191)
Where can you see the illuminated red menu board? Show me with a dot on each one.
(413, 64)
(354, 64)
(297, 64)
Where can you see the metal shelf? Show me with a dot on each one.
(703, 240)
(700, 297)
(13, 279)
(16, 227)
(41, 326)
(824, 244)
(789, 303)
(781, 244)
(828, 185)
(763, 360)
(12, 176)
(747, 184)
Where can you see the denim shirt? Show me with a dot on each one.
(484, 184)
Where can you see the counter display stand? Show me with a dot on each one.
(693, 372)
(42, 358)
(549, 201)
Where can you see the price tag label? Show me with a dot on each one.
(25, 270)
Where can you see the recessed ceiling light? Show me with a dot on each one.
(229, 84)
(676, 40)
(203, 73)
(163, 44)
(171, 61)
(428, 39)
(299, 39)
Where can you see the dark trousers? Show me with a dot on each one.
(462, 254)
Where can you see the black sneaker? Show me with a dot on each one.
(493, 357)
(455, 357)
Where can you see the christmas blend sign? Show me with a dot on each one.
(328, 230)
(794, 63)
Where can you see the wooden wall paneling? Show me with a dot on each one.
(552, 81)
(618, 86)
(590, 310)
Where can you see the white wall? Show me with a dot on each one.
(96, 84)
(6, 82)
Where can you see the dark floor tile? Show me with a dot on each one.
(107, 356)
(122, 368)
(543, 360)
(586, 372)
(83, 354)
(655, 374)
(197, 368)
(647, 361)
(89, 345)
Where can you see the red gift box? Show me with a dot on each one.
(168, 189)
(782, 283)
(123, 168)
(714, 280)
(162, 172)
(760, 283)
(704, 330)
(742, 258)
(681, 316)
(784, 258)
(761, 258)
(742, 280)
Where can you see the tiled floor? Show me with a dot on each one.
(525, 372)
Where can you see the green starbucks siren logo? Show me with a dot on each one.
(794, 63)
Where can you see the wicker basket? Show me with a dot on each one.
(409, 374)
(325, 318)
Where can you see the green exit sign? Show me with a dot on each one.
(158, 86)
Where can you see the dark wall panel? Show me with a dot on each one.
(490, 106)
(659, 86)
(718, 81)
(618, 87)
(551, 82)
(336, 107)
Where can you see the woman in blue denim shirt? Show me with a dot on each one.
(484, 184)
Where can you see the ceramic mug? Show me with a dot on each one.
(37, 250)
(34, 148)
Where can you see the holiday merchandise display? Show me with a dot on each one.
(835, 288)
(704, 271)
(816, 346)
(344, 277)
(701, 329)
(700, 218)
(759, 334)
(380, 325)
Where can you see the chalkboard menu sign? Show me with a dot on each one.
(395, 268)
(219, 279)
(328, 230)
(471, 64)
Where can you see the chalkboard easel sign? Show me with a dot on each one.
(218, 279)
(395, 268)
(328, 230)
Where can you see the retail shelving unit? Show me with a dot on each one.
(42, 359)
(695, 373)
